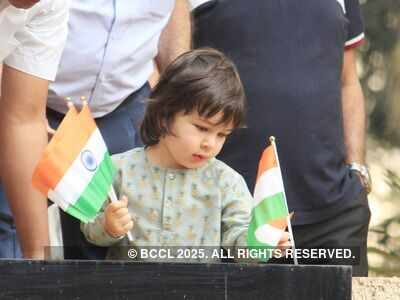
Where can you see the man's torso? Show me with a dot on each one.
(109, 52)
(290, 56)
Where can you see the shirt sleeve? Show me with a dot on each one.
(235, 216)
(41, 41)
(355, 34)
(197, 3)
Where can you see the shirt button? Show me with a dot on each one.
(167, 222)
(171, 176)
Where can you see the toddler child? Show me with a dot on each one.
(174, 192)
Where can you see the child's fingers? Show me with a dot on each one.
(284, 238)
(128, 226)
(285, 244)
(114, 206)
(124, 200)
(124, 220)
(121, 212)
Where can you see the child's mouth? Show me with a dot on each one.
(198, 157)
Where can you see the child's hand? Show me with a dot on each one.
(117, 220)
(284, 241)
(283, 244)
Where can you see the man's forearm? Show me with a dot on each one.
(23, 138)
(353, 111)
(176, 36)
(1, 72)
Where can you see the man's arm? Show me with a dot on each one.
(22, 139)
(1, 71)
(176, 36)
(353, 110)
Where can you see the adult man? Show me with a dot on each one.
(297, 63)
(108, 59)
(32, 38)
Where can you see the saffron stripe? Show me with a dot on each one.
(62, 152)
(267, 161)
(45, 166)
(75, 180)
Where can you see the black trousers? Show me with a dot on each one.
(347, 229)
(120, 130)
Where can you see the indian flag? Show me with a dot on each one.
(270, 212)
(75, 170)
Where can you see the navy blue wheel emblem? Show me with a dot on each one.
(88, 160)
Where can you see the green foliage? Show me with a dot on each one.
(380, 79)
(382, 29)
(388, 243)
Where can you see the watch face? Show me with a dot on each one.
(366, 180)
(363, 174)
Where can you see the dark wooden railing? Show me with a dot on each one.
(69, 279)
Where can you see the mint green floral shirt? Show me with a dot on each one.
(208, 206)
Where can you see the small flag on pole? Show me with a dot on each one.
(270, 215)
(75, 170)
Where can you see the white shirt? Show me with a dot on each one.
(32, 40)
(109, 52)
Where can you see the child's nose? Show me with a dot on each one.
(208, 142)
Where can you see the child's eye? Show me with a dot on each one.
(223, 135)
(201, 128)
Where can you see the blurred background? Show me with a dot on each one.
(379, 70)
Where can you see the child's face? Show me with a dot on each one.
(194, 140)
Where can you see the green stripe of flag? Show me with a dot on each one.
(95, 193)
(269, 209)
(73, 211)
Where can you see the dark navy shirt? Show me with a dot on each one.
(290, 55)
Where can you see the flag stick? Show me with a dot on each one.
(272, 141)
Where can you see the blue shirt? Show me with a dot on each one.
(290, 58)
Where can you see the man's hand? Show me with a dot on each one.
(118, 221)
(25, 4)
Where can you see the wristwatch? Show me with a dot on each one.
(363, 172)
